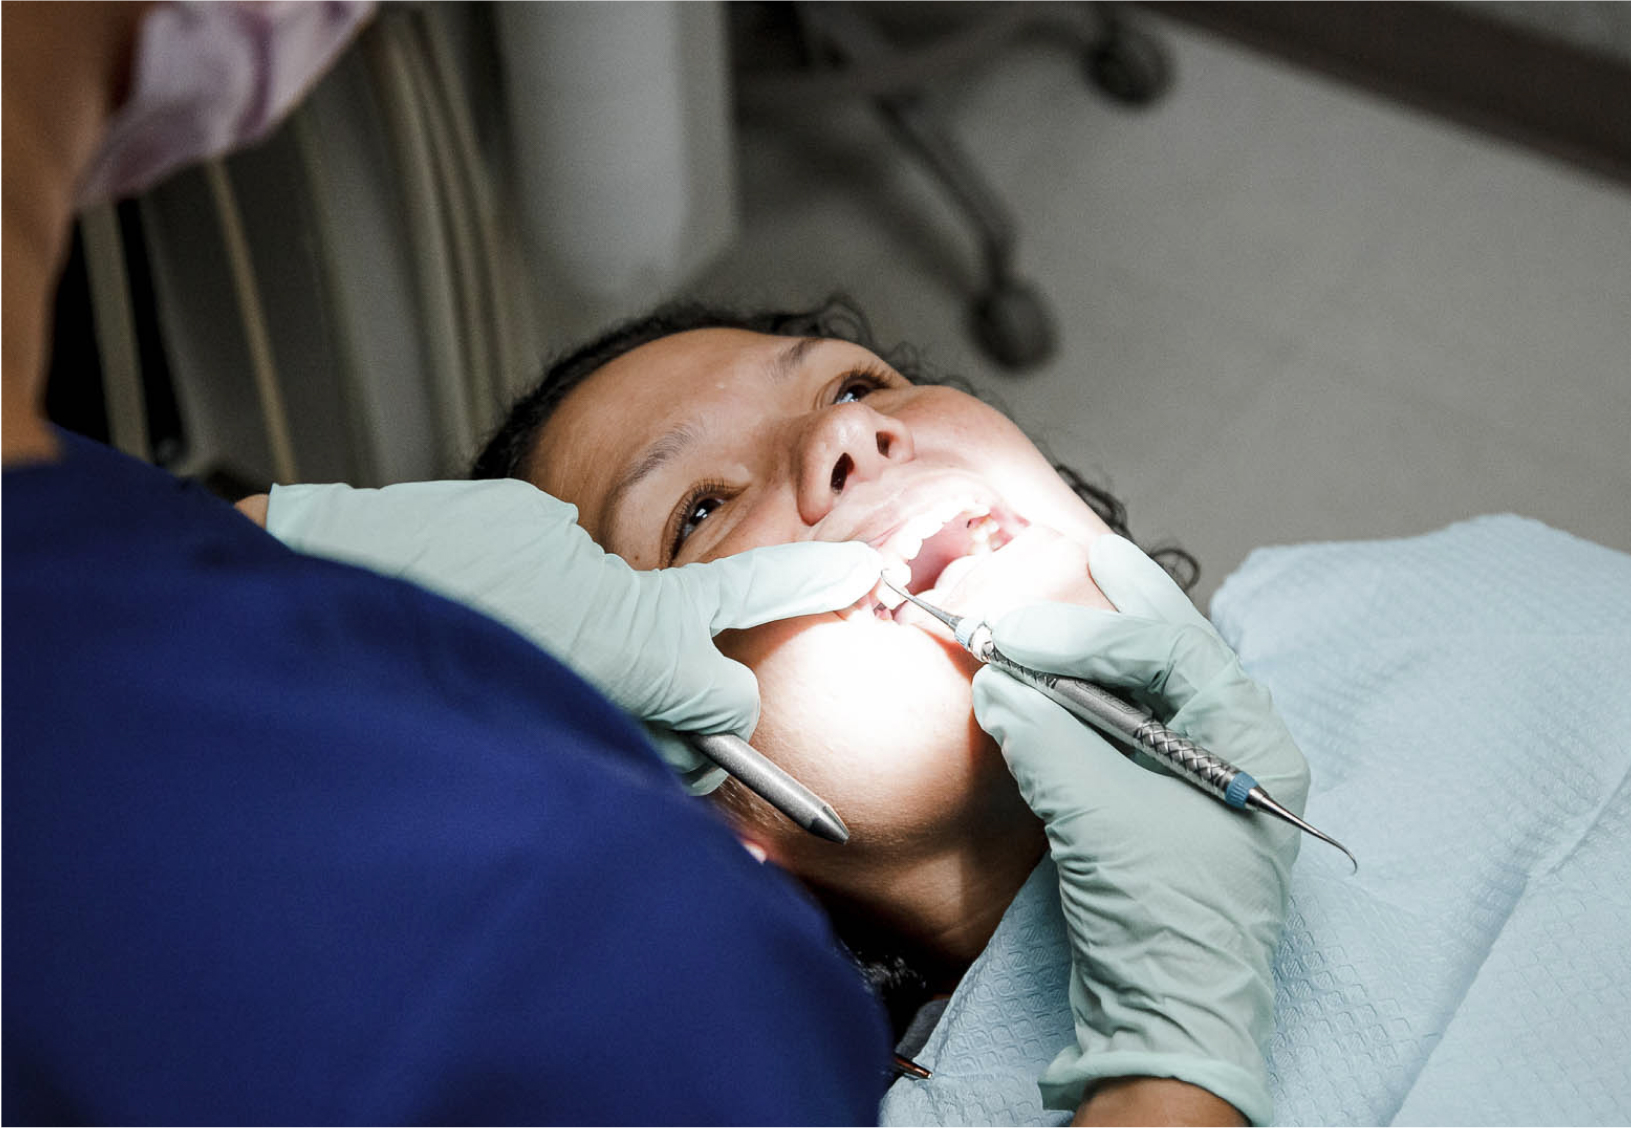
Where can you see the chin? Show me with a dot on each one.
(863, 707)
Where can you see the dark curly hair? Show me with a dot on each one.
(512, 452)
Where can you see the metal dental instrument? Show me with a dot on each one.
(771, 784)
(1128, 723)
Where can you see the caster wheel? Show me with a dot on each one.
(1130, 67)
(1013, 326)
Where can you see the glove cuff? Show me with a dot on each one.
(1070, 1074)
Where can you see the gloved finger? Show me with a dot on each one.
(1064, 769)
(1138, 585)
(781, 581)
(1182, 672)
(438, 534)
(715, 695)
(1240, 723)
(1168, 662)
(699, 774)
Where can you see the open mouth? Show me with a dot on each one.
(936, 548)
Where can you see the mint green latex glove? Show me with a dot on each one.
(644, 639)
(1174, 902)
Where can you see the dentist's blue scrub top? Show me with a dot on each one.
(289, 842)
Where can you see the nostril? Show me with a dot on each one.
(883, 444)
(840, 472)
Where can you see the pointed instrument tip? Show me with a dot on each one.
(906, 1067)
(1260, 799)
(825, 823)
(1344, 849)
(952, 621)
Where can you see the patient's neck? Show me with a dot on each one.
(938, 911)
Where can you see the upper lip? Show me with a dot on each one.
(877, 525)
(942, 497)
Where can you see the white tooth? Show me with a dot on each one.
(924, 526)
(904, 545)
(908, 540)
(954, 509)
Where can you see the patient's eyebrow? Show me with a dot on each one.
(659, 454)
(786, 364)
(778, 369)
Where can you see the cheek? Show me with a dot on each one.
(769, 517)
(875, 718)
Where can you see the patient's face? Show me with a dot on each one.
(714, 441)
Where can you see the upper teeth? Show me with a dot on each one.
(907, 541)
(904, 545)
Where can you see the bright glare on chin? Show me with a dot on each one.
(877, 718)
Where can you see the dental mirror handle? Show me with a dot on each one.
(771, 783)
(1109, 713)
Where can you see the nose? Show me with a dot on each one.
(841, 446)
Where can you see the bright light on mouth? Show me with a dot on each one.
(936, 548)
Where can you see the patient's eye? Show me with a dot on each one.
(697, 507)
(699, 514)
(859, 384)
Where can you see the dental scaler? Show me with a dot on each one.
(1105, 711)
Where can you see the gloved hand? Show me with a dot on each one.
(1174, 901)
(644, 639)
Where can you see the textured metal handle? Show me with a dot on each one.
(1187, 758)
(1102, 708)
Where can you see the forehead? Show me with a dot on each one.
(629, 403)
